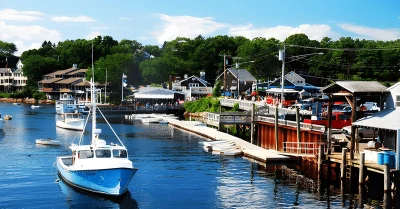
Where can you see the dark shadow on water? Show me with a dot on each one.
(75, 194)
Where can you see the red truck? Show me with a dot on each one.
(339, 120)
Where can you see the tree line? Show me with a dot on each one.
(342, 59)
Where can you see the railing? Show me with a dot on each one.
(305, 148)
(308, 126)
(243, 104)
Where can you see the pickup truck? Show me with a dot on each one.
(339, 120)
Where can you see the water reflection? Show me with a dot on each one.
(76, 197)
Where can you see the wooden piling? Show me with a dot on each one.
(252, 124)
(320, 153)
(386, 178)
(298, 129)
(361, 173)
(276, 128)
(343, 166)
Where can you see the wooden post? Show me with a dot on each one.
(252, 124)
(353, 119)
(298, 129)
(329, 131)
(276, 128)
(361, 173)
(386, 178)
(361, 189)
(343, 166)
(397, 149)
(320, 159)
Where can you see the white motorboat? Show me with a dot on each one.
(48, 141)
(97, 167)
(66, 104)
(16, 103)
(151, 120)
(72, 121)
(35, 106)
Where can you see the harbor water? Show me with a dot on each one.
(174, 172)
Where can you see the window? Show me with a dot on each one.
(193, 85)
(120, 153)
(83, 154)
(397, 100)
(103, 153)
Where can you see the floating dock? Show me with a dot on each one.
(250, 150)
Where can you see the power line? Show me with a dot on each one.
(344, 49)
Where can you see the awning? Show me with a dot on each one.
(385, 119)
(156, 94)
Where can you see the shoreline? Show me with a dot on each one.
(26, 101)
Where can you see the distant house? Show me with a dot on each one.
(71, 80)
(293, 81)
(193, 86)
(237, 78)
(12, 79)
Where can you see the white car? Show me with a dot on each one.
(362, 133)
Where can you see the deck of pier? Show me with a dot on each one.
(248, 149)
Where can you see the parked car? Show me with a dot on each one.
(362, 133)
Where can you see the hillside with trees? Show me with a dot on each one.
(342, 59)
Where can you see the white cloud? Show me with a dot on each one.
(124, 18)
(28, 36)
(11, 14)
(80, 18)
(314, 32)
(92, 35)
(185, 26)
(372, 33)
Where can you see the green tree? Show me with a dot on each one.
(36, 66)
(217, 89)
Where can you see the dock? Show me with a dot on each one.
(249, 150)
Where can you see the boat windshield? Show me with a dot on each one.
(120, 153)
(83, 154)
(103, 153)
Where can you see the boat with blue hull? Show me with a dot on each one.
(97, 167)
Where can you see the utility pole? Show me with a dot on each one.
(282, 57)
(105, 90)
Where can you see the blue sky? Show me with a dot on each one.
(27, 23)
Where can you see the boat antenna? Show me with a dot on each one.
(93, 95)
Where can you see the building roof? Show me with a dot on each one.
(393, 86)
(77, 71)
(199, 79)
(83, 83)
(385, 119)
(68, 81)
(5, 70)
(52, 80)
(243, 74)
(61, 72)
(155, 93)
(19, 70)
(357, 86)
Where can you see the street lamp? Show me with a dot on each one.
(282, 58)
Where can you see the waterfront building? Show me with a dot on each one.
(12, 79)
(238, 79)
(193, 86)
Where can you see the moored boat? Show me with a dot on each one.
(48, 141)
(35, 106)
(72, 121)
(97, 167)
(7, 117)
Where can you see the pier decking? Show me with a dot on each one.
(248, 149)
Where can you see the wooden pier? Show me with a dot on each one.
(248, 149)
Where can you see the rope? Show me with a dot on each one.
(110, 127)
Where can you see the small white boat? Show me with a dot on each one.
(210, 143)
(141, 116)
(229, 152)
(7, 117)
(151, 120)
(35, 106)
(16, 103)
(72, 121)
(48, 142)
(163, 122)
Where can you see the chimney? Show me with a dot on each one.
(203, 75)
(185, 76)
